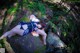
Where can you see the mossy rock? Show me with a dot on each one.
(27, 44)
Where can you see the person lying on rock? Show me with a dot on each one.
(24, 28)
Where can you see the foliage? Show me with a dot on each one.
(61, 19)
(38, 6)
(67, 25)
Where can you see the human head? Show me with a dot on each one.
(34, 18)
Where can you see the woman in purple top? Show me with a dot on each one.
(23, 28)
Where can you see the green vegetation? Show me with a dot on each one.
(62, 19)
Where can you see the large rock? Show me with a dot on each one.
(54, 42)
(26, 44)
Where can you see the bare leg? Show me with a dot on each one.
(42, 32)
(15, 30)
(9, 34)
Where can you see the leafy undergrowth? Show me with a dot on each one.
(58, 16)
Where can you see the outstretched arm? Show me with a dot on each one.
(44, 35)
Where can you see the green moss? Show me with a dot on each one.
(40, 50)
(25, 19)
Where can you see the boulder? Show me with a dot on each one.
(26, 44)
(53, 43)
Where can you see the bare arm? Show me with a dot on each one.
(44, 35)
